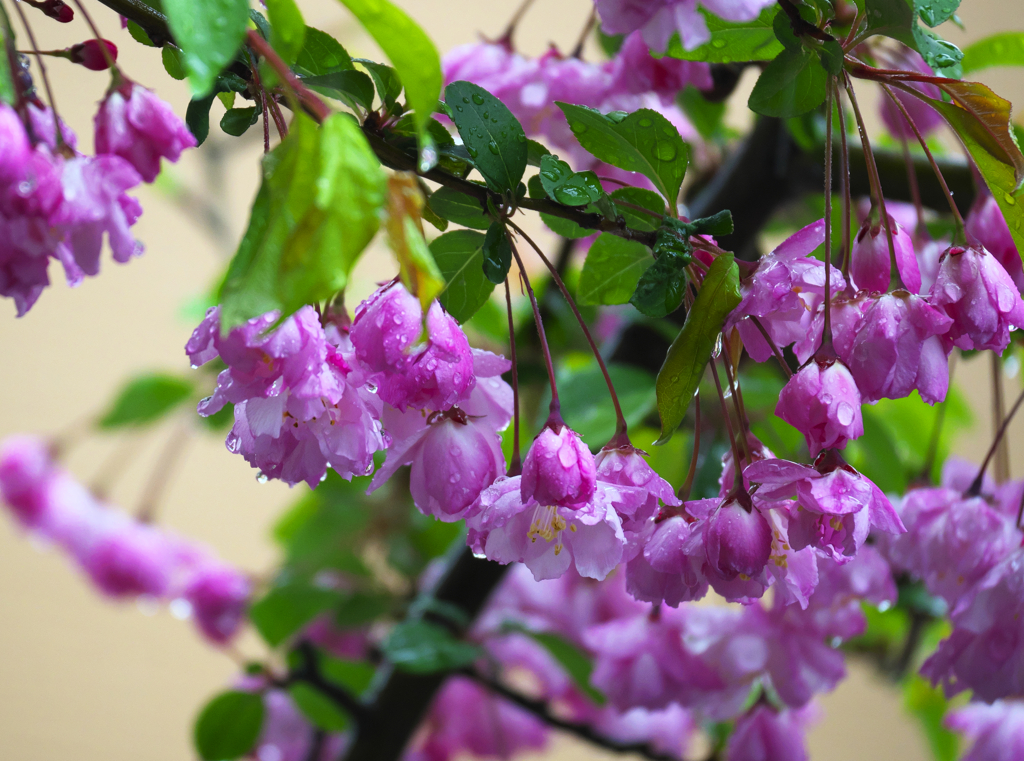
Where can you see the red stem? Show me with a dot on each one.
(771, 343)
(620, 438)
(975, 489)
(515, 465)
(302, 94)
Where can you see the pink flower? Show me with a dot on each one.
(668, 730)
(219, 596)
(987, 224)
(468, 720)
(669, 566)
(764, 734)
(133, 123)
(25, 465)
(453, 457)
(952, 541)
(636, 71)
(836, 506)
(870, 260)
(287, 734)
(822, 401)
(431, 374)
(551, 538)
(129, 560)
(926, 118)
(90, 54)
(897, 348)
(976, 292)
(626, 466)
(738, 540)
(14, 145)
(985, 651)
(996, 731)
(300, 406)
(559, 469)
(659, 20)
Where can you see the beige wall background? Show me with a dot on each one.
(86, 679)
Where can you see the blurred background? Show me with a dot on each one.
(86, 679)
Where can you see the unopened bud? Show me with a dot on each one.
(90, 54)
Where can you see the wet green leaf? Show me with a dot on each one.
(791, 85)
(731, 41)
(459, 208)
(209, 32)
(321, 710)
(660, 290)
(497, 253)
(285, 609)
(459, 255)
(612, 269)
(492, 135)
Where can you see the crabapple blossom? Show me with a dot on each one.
(987, 225)
(822, 401)
(764, 734)
(738, 539)
(926, 118)
(133, 123)
(559, 469)
(870, 258)
(976, 292)
(996, 731)
(660, 20)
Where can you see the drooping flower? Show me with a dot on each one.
(661, 19)
(133, 123)
(996, 731)
(977, 293)
(299, 405)
(669, 567)
(987, 224)
(423, 369)
(897, 348)
(985, 651)
(952, 540)
(14, 145)
(738, 539)
(871, 260)
(218, 595)
(559, 469)
(835, 505)
(822, 402)
(91, 55)
(764, 734)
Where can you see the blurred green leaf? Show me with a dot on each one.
(421, 647)
(287, 29)
(733, 41)
(321, 711)
(228, 726)
(928, 705)
(285, 609)
(321, 54)
(1003, 49)
(146, 399)
(612, 269)
(209, 33)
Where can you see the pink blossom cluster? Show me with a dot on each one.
(123, 558)
(659, 21)
(57, 203)
(889, 336)
(530, 87)
(309, 395)
(964, 544)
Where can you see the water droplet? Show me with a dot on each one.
(180, 608)
(478, 99)
(458, 108)
(665, 151)
(465, 99)
(1009, 199)
(428, 158)
(473, 152)
(718, 347)
(487, 115)
(645, 122)
(493, 147)
(578, 128)
(718, 44)
(261, 477)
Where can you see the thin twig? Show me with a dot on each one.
(975, 488)
(515, 465)
(59, 140)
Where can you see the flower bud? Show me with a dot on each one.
(870, 261)
(90, 54)
(822, 401)
(737, 541)
(559, 469)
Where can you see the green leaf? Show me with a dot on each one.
(981, 119)
(410, 51)
(896, 19)
(145, 400)
(348, 85)
(139, 34)
(389, 86)
(174, 62)
(497, 253)
(565, 227)
(929, 706)
(286, 609)
(315, 213)
(421, 647)
(197, 117)
(209, 33)
(717, 224)
(459, 255)
(831, 57)
(644, 141)
(288, 30)
(492, 135)
(356, 676)
(7, 41)
(587, 405)
(228, 726)
(612, 269)
(576, 663)
(791, 85)
(362, 608)
(1005, 49)
(567, 187)
(934, 12)
(660, 290)
(688, 355)
(731, 41)
(535, 152)
(237, 120)
(321, 54)
(459, 208)
(647, 199)
(321, 711)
